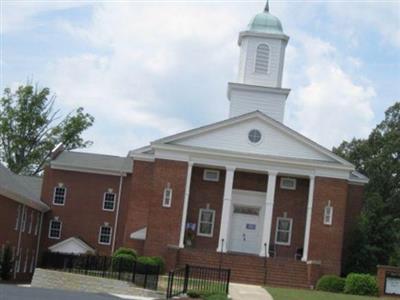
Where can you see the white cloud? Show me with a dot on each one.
(330, 105)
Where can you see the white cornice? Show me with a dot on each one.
(255, 88)
(64, 167)
(264, 35)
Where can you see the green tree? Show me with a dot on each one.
(376, 239)
(30, 128)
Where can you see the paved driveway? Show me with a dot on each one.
(248, 292)
(13, 292)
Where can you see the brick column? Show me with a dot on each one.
(269, 207)
(226, 210)
(308, 218)
(185, 205)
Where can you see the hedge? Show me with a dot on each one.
(361, 284)
(331, 283)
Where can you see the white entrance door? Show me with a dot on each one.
(245, 229)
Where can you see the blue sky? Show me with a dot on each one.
(148, 69)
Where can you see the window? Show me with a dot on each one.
(108, 201)
(328, 214)
(23, 222)
(37, 223)
(55, 229)
(288, 183)
(167, 199)
(105, 235)
(254, 136)
(30, 223)
(32, 266)
(206, 222)
(59, 195)
(283, 231)
(211, 175)
(262, 59)
(246, 210)
(18, 217)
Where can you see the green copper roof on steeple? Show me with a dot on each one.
(265, 22)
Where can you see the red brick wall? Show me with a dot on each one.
(294, 203)
(82, 215)
(202, 193)
(326, 241)
(28, 245)
(134, 214)
(250, 181)
(164, 223)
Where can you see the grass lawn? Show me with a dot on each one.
(299, 294)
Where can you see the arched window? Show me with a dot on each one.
(262, 59)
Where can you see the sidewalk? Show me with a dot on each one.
(248, 292)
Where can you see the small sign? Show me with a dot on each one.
(392, 284)
(251, 226)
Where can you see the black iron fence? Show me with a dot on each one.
(140, 274)
(198, 279)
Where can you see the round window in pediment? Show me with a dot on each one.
(254, 136)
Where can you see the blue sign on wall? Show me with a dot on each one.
(251, 226)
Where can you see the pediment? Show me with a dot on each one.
(233, 135)
(71, 245)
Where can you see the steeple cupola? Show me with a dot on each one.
(262, 52)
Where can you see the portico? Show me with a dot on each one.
(245, 216)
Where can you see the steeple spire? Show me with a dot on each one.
(266, 9)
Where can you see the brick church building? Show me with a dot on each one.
(247, 193)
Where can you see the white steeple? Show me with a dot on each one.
(262, 53)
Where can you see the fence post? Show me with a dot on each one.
(158, 275)
(119, 268)
(104, 265)
(186, 280)
(227, 281)
(87, 265)
(134, 272)
(146, 271)
(170, 284)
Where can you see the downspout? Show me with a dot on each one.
(38, 240)
(117, 213)
(19, 241)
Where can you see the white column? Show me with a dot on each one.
(226, 210)
(268, 211)
(185, 205)
(308, 218)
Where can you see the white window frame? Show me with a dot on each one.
(24, 217)
(208, 171)
(26, 261)
(104, 201)
(18, 220)
(167, 201)
(37, 223)
(328, 214)
(31, 222)
(49, 234)
(99, 239)
(18, 263)
(282, 186)
(54, 195)
(211, 234)
(288, 243)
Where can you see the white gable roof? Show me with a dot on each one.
(232, 135)
(72, 245)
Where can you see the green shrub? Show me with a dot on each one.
(152, 261)
(331, 283)
(361, 284)
(193, 294)
(125, 251)
(6, 263)
(123, 259)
